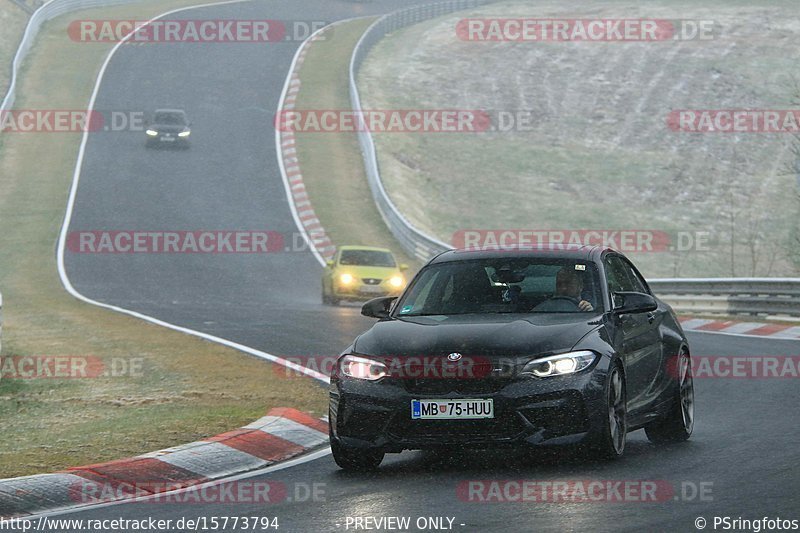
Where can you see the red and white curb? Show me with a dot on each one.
(732, 327)
(281, 435)
(288, 152)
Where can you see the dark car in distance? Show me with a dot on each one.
(168, 127)
(537, 347)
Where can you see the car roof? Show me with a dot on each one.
(552, 251)
(365, 248)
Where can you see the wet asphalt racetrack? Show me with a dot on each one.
(744, 451)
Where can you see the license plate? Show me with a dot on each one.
(168, 139)
(452, 409)
(372, 288)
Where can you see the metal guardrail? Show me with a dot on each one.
(48, 11)
(416, 242)
(717, 295)
(729, 296)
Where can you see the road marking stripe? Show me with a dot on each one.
(694, 323)
(292, 431)
(742, 327)
(715, 326)
(263, 445)
(214, 460)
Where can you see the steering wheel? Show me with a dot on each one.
(570, 299)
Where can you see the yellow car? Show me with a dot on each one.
(361, 273)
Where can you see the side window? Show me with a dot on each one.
(636, 279)
(619, 276)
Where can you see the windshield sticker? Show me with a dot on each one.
(580, 267)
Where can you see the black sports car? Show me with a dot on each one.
(549, 346)
(168, 127)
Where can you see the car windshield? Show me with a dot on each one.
(503, 286)
(170, 119)
(367, 258)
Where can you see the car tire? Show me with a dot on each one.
(610, 444)
(355, 459)
(325, 298)
(678, 424)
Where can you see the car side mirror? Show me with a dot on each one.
(378, 307)
(329, 263)
(403, 267)
(633, 302)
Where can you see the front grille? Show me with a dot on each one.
(504, 426)
(483, 377)
(460, 386)
(371, 281)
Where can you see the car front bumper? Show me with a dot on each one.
(364, 292)
(527, 412)
(167, 140)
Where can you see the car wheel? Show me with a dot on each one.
(355, 459)
(325, 299)
(677, 426)
(610, 444)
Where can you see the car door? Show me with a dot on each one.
(641, 346)
(655, 363)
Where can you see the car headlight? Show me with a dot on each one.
(357, 367)
(184, 133)
(561, 364)
(151, 133)
(396, 281)
(346, 279)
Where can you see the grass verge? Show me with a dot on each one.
(13, 20)
(333, 170)
(596, 152)
(187, 388)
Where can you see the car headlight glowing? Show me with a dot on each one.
(346, 279)
(396, 281)
(357, 367)
(151, 133)
(184, 133)
(561, 364)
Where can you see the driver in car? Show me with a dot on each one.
(569, 286)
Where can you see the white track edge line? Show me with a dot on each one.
(306, 458)
(71, 202)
